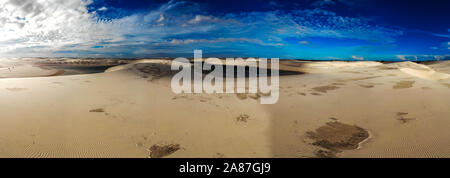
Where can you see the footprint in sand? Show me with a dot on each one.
(179, 97)
(219, 155)
(242, 118)
(401, 116)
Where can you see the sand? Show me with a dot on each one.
(130, 111)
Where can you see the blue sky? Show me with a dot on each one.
(308, 29)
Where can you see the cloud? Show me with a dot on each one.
(47, 27)
(222, 40)
(442, 57)
(358, 58)
(322, 23)
(161, 18)
(401, 57)
(44, 24)
(41, 27)
(423, 57)
(202, 18)
(103, 9)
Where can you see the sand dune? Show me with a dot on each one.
(341, 64)
(426, 74)
(130, 111)
(27, 71)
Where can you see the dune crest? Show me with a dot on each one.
(341, 64)
(141, 61)
(429, 74)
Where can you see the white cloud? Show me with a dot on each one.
(442, 57)
(103, 9)
(401, 57)
(358, 58)
(202, 18)
(222, 40)
(44, 27)
(417, 57)
(46, 24)
(161, 18)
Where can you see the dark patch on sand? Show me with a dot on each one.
(154, 70)
(366, 86)
(179, 97)
(159, 151)
(384, 67)
(403, 84)
(219, 155)
(333, 118)
(324, 89)
(401, 116)
(325, 154)
(338, 83)
(139, 144)
(315, 94)
(16, 89)
(426, 88)
(446, 84)
(242, 118)
(58, 72)
(97, 110)
(301, 93)
(351, 72)
(336, 137)
(358, 79)
(241, 96)
(254, 96)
